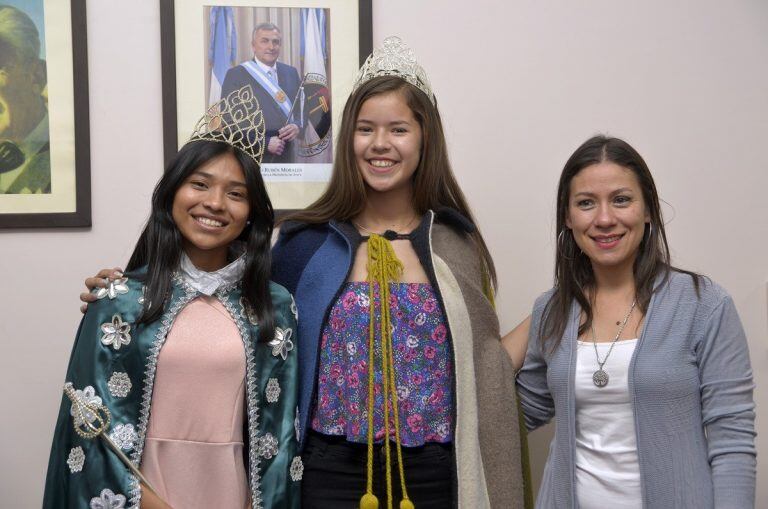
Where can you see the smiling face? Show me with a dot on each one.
(211, 209)
(266, 46)
(607, 215)
(387, 143)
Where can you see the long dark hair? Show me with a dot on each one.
(160, 244)
(573, 269)
(434, 185)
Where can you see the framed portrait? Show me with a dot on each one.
(300, 58)
(44, 132)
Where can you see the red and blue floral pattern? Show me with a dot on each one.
(422, 362)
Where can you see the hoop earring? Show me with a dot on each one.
(650, 232)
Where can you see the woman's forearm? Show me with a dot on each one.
(516, 343)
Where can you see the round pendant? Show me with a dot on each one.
(600, 378)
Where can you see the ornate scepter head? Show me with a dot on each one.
(90, 417)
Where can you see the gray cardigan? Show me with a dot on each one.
(691, 385)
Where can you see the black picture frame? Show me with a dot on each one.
(81, 217)
(169, 67)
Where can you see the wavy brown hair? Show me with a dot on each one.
(573, 269)
(434, 185)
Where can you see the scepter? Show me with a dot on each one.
(94, 420)
(295, 99)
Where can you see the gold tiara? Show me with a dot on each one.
(236, 120)
(394, 58)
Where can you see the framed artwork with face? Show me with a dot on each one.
(299, 58)
(44, 146)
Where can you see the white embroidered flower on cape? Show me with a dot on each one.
(116, 333)
(297, 469)
(266, 446)
(119, 384)
(124, 436)
(282, 343)
(273, 390)
(76, 459)
(113, 289)
(108, 500)
(87, 396)
(294, 309)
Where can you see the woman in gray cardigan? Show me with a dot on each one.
(644, 366)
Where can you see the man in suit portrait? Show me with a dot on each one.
(275, 85)
(25, 165)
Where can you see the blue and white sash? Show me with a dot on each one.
(277, 93)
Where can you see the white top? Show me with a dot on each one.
(607, 471)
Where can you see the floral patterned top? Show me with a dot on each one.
(422, 361)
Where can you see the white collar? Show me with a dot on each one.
(264, 67)
(208, 282)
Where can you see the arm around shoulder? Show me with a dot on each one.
(516, 343)
(532, 387)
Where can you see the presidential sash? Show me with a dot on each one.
(281, 98)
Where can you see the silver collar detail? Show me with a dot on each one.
(208, 282)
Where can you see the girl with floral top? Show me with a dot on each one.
(406, 396)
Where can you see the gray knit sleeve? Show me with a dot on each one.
(728, 408)
(532, 388)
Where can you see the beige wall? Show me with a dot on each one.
(520, 85)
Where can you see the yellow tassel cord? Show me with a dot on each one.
(383, 268)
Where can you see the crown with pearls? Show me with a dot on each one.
(236, 120)
(394, 58)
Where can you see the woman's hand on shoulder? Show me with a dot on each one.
(516, 343)
(98, 281)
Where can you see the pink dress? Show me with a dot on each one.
(193, 454)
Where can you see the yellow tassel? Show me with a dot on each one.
(406, 504)
(369, 501)
(383, 268)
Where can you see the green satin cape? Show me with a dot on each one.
(273, 462)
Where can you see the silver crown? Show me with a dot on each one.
(236, 120)
(394, 58)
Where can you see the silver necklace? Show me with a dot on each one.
(600, 377)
